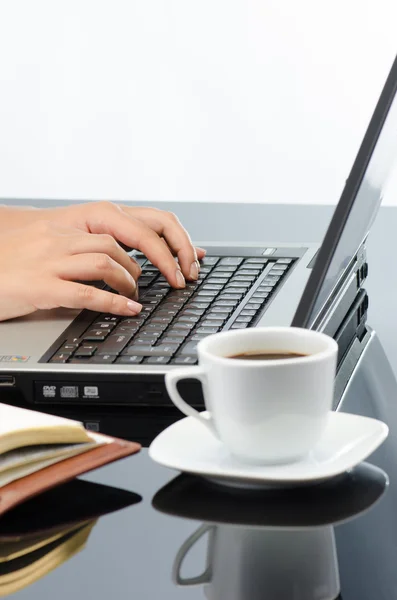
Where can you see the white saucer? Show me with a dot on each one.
(188, 446)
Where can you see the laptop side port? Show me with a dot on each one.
(7, 381)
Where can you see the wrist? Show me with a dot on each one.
(14, 217)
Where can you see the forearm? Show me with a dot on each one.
(13, 217)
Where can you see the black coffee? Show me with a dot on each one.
(266, 355)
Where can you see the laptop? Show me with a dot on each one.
(84, 364)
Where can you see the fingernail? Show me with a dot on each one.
(180, 278)
(134, 307)
(193, 273)
(201, 249)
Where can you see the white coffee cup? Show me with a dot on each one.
(246, 563)
(263, 411)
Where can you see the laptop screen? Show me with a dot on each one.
(357, 207)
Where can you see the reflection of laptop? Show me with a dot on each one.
(82, 363)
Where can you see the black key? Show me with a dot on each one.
(60, 358)
(189, 349)
(103, 325)
(197, 305)
(143, 315)
(149, 271)
(160, 321)
(155, 326)
(230, 303)
(239, 326)
(160, 350)
(129, 360)
(157, 360)
(228, 296)
(153, 296)
(146, 310)
(284, 261)
(170, 306)
(224, 271)
(103, 359)
(247, 313)
(110, 318)
(223, 310)
(115, 343)
(244, 319)
(138, 350)
(216, 281)
(149, 301)
(244, 278)
(258, 261)
(176, 294)
(248, 271)
(149, 335)
(253, 305)
(164, 349)
(140, 259)
(213, 321)
(159, 288)
(206, 293)
(183, 326)
(209, 286)
(167, 313)
(259, 296)
(231, 260)
(184, 360)
(207, 330)
(239, 286)
(144, 282)
(144, 341)
(85, 351)
(190, 312)
(199, 336)
(96, 335)
(130, 322)
(173, 339)
(209, 260)
(68, 348)
(187, 319)
(192, 287)
(128, 329)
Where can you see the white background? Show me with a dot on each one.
(213, 100)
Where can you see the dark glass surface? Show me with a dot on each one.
(295, 544)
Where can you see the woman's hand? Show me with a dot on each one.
(156, 233)
(41, 266)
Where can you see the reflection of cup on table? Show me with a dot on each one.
(246, 563)
(271, 409)
(273, 544)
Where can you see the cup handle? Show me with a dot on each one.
(171, 380)
(205, 577)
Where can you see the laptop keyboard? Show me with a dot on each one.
(231, 293)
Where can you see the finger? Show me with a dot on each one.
(76, 295)
(168, 226)
(201, 252)
(136, 234)
(93, 267)
(104, 244)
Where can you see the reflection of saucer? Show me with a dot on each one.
(348, 439)
(328, 503)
